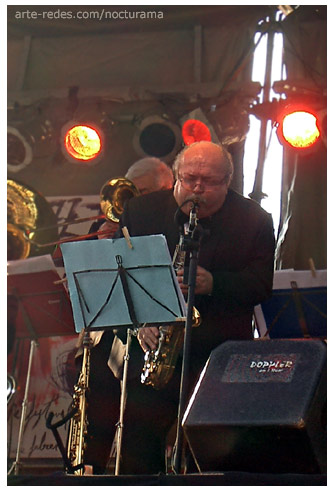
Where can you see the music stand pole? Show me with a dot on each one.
(16, 464)
(132, 314)
(120, 424)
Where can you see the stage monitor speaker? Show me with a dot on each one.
(260, 406)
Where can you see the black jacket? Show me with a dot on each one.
(237, 248)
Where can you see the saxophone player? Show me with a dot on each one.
(235, 273)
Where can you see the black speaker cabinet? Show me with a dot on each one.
(260, 406)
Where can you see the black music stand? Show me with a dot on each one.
(44, 310)
(138, 278)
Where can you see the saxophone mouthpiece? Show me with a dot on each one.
(197, 200)
(180, 217)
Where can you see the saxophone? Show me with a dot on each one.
(159, 364)
(79, 422)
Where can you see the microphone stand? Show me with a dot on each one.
(189, 243)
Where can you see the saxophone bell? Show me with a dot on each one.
(159, 363)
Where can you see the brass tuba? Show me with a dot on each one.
(30, 221)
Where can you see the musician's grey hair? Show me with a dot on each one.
(226, 159)
(151, 165)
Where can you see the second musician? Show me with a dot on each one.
(103, 397)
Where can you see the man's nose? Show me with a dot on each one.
(198, 186)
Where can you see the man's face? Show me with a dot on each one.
(201, 175)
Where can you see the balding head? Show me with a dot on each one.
(203, 171)
(199, 149)
(150, 174)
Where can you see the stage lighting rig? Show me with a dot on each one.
(197, 127)
(157, 136)
(298, 127)
(25, 140)
(82, 142)
(300, 124)
(194, 130)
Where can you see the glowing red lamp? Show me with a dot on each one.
(82, 143)
(194, 130)
(298, 129)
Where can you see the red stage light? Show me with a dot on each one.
(298, 128)
(83, 142)
(194, 130)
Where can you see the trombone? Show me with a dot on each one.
(32, 224)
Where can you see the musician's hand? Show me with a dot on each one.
(148, 337)
(109, 229)
(204, 282)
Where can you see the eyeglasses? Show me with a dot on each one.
(189, 182)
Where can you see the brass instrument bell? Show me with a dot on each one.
(30, 221)
(113, 195)
(32, 227)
